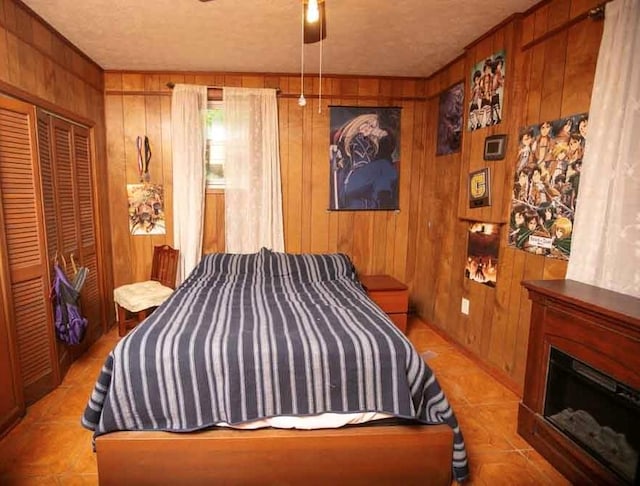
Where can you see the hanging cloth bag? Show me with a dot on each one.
(69, 323)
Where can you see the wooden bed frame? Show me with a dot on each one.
(384, 454)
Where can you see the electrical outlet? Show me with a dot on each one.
(464, 306)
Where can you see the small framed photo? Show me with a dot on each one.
(479, 188)
(494, 147)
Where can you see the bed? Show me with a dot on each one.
(263, 336)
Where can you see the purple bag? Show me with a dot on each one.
(70, 325)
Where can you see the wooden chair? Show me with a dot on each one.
(134, 301)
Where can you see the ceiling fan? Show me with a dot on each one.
(315, 23)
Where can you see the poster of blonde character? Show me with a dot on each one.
(146, 209)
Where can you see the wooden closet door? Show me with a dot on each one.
(51, 216)
(12, 405)
(26, 291)
(73, 212)
(90, 294)
(66, 198)
(47, 177)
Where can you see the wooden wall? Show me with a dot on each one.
(139, 104)
(551, 57)
(41, 67)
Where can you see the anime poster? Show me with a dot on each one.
(545, 186)
(450, 120)
(146, 209)
(364, 155)
(487, 92)
(482, 253)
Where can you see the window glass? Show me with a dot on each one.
(214, 149)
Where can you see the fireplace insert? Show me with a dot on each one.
(597, 412)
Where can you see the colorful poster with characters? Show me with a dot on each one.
(545, 186)
(482, 253)
(146, 209)
(487, 92)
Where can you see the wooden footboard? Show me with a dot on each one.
(398, 454)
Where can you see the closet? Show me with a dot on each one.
(68, 204)
(46, 213)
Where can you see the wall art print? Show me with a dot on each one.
(487, 92)
(482, 253)
(545, 186)
(146, 209)
(364, 156)
(450, 120)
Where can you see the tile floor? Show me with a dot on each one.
(49, 447)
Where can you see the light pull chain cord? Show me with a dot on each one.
(301, 100)
(320, 88)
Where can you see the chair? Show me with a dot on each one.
(137, 299)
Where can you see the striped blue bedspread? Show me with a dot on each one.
(254, 336)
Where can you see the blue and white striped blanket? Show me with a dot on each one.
(247, 337)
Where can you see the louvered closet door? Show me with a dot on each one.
(51, 222)
(66, 198)
(11, 398)
(90, 294)
(28, 287)
(47, 177)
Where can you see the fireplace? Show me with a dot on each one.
(597, 412)
(580, 405)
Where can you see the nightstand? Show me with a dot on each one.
(391, 296)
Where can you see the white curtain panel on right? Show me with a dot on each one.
(605, 250)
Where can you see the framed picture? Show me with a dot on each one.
(487, 91)
(364, 158)
(450, 120)
(479, 188)
(494, 147)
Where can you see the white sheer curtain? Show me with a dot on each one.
(253, 195)
(188, 129)
(605, 248)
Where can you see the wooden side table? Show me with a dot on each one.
(391, 296)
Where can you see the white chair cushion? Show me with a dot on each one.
(141, 295)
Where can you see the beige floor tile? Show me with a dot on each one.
(479, 436)
(478, 387)
(503, 418)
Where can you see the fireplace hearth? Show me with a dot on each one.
(581, 401)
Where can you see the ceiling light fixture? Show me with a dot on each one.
(314, 30)
(313, 13)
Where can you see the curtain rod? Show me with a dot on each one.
(171, 85)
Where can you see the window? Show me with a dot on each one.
(214, 149)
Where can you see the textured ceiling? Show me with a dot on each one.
(366, 37)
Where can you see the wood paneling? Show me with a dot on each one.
(138, 104)
(551, 57)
